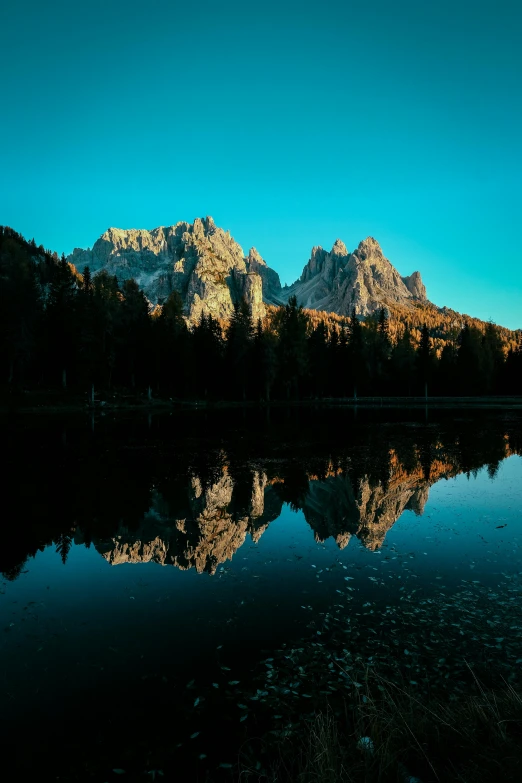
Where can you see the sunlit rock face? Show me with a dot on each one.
(339, 281)
(270, 278)
(210, 271)
(199, 260)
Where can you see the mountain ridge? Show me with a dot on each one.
(211, 272)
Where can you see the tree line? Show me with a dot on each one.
(62, 328)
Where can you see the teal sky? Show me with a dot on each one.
(291, 123)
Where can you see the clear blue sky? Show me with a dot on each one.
(291, 123)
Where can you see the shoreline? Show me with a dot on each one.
(77, 405)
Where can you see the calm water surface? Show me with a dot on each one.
(149, 566)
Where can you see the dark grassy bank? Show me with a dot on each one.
(387, 733)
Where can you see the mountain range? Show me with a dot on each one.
(211, 272)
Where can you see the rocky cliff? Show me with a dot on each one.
(199, 260)
(339, 281)
(210, 271)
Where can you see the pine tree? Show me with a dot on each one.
(319, 360)
(402, 365)
(447, 371)
(20, 309)
(382, 353)
(238, 343)
(292, 348)
(171, 345)
(61, 320)
(426, 361)
(134, 335)
(207, 353)
(470, 376)
(357, 355)
(108, 304)
(264, 362)
(334, 379)
(492, 359)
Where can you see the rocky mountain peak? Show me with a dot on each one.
(339, 248)
(199, 260)
(415, 286)
(254, 256)
(209, 269)
(339, 280)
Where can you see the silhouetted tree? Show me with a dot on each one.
(61, 321)
(238, 343)
(171, 345)
(207, 351)
(402, 365)
(264, 362)
(134, 333)
(20, 308)
(319, 360)
(426, 361)
(292, 348)
(357, 354)
(469, 362)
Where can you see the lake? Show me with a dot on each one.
(169, 581)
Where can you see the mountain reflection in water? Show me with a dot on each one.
(193, 504)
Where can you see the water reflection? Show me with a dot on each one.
(194, 506)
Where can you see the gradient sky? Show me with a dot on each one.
(291, 123)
